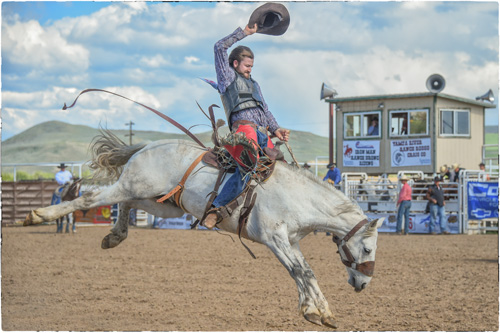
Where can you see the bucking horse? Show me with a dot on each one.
(289, 205)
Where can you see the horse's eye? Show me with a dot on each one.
(367, 251)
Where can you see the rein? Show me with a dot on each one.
(167, 118)
(346, 256)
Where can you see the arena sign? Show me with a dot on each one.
(411, 152)
(482, 200)
(361, 153)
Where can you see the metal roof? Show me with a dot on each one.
(412, 95)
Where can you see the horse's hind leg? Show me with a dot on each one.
(120, 230)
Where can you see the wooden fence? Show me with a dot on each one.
(19, 198)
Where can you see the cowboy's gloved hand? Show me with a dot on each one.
(282, 134)
(250, 31)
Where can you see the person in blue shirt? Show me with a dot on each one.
(373, 129)
(333, 174)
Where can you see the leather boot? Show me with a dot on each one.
(210, 221)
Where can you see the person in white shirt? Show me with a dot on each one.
(63, 176)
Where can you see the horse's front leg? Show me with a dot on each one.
(120, 230)
(320, 301)
(306, 282)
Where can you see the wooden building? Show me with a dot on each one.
(419, 132)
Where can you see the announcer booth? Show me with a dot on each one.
(383, 134)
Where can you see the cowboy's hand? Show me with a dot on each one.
(282, 134)
(250, 31)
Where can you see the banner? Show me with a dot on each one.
(361, 153)
(482, 200)
(412, 152)
(419, 223)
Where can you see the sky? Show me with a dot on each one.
(156, 53)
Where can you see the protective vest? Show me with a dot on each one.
(437, 194)
(241, 94)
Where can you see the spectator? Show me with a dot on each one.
(63, 176)
(404, 203)
(307, 167)
(373, 129)
(482, 167)
(456, 172)
(333, 174)
(435, 196)
(445, 172)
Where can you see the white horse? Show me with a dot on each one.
(290, 205)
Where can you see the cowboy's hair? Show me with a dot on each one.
(239, 53)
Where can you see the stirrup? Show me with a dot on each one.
(215, 210)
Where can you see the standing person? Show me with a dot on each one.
(246, 111)
(456, 172)
(63, 176)
(404, 203)
(373, 129)
(482, 167)
(333, 174)
(436, 207)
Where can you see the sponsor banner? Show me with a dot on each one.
(183, 222)
(412, 152)
(419, 223)
(482, 200)
(361, 153)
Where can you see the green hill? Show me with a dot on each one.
(55, 142)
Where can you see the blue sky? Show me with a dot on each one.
(155, 52)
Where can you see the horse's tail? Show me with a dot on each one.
(109, 154)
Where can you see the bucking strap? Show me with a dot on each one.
(178, 189)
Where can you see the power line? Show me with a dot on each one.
(130, 131)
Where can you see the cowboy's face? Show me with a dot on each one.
(244, 67)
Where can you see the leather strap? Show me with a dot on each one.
(178, 189)
(167, 118)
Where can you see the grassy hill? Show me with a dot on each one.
(55, 142)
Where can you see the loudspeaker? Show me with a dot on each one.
(487, 97)
(435, 83)
(327, 92)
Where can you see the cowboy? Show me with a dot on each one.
(246, 111)
(445, 172)
(404, 206)
(435, 195)
(333, 174)
(307, 167)
(63, 176)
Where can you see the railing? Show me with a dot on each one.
(70, 166)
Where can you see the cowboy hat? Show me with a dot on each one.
(271, 18)
(306, 165)
(455, 165)
(437, 179)
(331, 165)
(62, 166)
(403, 178)
(443, 168)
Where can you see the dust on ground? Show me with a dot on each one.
(183, 280)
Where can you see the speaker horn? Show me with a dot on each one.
(487, 97)
(327, 92)
(435, 83)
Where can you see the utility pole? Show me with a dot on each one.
(130, 131)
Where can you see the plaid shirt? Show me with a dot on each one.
(225, 76)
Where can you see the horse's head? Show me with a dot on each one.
(357, 252)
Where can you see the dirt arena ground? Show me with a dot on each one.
(180, 280)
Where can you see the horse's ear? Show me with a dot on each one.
(375, 224)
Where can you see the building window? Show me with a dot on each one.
(362, 125)
(455, 122)
(418, 123)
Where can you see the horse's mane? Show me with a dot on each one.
(348, 203)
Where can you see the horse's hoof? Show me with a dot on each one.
(110, 241)
(329, 322)
(313, 318)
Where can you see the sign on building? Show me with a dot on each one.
(361, 153)
(411, 152)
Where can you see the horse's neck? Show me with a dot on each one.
(327, 208)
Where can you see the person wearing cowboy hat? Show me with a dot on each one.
(404, 203)
(435, 195)
(307, 167)
(246, 111)
(63, 176)
(455, 173)
(445, 172)
(333, 174)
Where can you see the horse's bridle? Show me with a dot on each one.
(346, 256)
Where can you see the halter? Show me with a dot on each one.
(346, 256)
